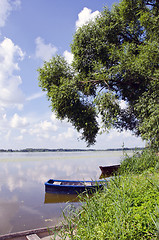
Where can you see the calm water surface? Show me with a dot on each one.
(23, 203)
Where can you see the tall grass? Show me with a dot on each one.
(126, 209)
(139, 162)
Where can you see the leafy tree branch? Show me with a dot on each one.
(116, 57)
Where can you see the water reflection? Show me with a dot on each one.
(57, 198)
(8, 209)
(22, 190)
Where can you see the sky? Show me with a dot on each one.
(31, 32)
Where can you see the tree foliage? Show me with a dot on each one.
(116, 57)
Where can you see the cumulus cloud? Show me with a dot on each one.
(30, 131)
(21, 128)
(6, 7)
(69, 133)
(85, 16)
(43, 129)
(44, 51)
(51, 129)
(53, 117)
(47, 126)
(18, 122)
(11, 94)
(68, 56)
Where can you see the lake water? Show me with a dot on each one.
(23, 203)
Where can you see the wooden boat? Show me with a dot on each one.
(108, 171)
(73, 187)
(46, 233)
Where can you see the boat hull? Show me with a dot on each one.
(108, 171)
(72, 187)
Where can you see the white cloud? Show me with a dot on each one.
(47, 126)
(19, 138)
(116, 134)
(4, 116)
(5, 9)
(116, 139)
(20, 132)
(3, 122)
(44, 51)
(85, 16)
(7, 135)
(23, 130)
(68, 56)
(53, 117)
(11, 94)
(6, 6)
(35, 96)
(43, 129)
(18, 122)
(69, 133)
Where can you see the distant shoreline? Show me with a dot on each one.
(68, 150)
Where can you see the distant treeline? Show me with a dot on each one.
(67, 150)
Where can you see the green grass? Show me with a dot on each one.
(139, 162)
(126, 209)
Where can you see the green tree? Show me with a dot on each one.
(116, 57)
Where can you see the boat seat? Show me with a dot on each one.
(71, 183)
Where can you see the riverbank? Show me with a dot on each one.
(127, 209)
(65, 150)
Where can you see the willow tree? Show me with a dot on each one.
(116, 57)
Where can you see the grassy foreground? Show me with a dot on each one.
(127, 209)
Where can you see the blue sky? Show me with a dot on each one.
(32, 31)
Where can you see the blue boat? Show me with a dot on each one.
(73, 187)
